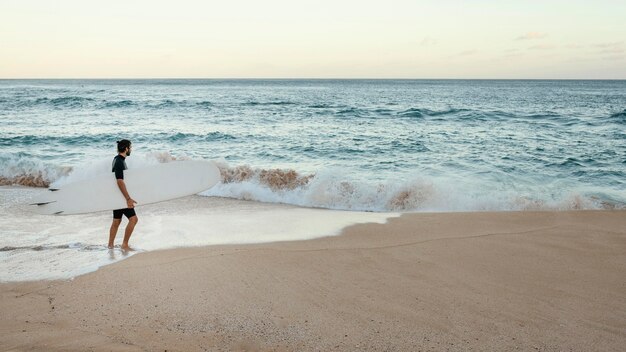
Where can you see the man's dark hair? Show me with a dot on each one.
(122, 145)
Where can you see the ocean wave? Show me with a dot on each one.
(204, 104)
(164, 157)
(569, 163)
(58, 102)
(324, 106)
(67, 102)
(547, 119)
(383, 112)
(96, 139)
(38, 179)
(158, 104)
(75, 102)
(167, 103)
(619, 117)
(28, 172)
(421, 112)
(362, 112)
(544, 115)
(269, 103)
(332, 189)
(118, 104)
(338, 110)
(71, 101)
(274, 179)
(211, 136)
(64, 140)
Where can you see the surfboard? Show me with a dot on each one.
(145, 185)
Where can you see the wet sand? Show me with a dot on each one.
(529, 281)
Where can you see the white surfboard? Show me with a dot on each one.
(145, 185)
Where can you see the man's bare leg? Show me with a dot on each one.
(129, 231)
(113, 231)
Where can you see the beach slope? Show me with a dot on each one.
(547, 281)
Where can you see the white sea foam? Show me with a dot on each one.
(36, 246)
(333, 188)
(29, 171)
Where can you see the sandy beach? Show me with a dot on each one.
(529, 281)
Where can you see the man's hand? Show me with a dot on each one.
(130, 203)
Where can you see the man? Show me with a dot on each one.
(119, 165)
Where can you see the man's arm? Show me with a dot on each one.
(122, 186)
(118, 169)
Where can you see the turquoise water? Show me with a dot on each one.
(375, 145)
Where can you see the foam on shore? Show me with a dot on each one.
(34, 247)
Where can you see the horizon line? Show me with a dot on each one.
(318, 78)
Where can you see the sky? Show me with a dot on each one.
(505, 39)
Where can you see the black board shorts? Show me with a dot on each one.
(129, 212)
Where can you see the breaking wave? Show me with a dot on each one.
(331, 189)
(30, 173)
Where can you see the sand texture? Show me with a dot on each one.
(514, 281)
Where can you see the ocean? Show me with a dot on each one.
(349, 150)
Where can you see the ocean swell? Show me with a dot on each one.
(105, 138)
(421, 112)
(619, 117)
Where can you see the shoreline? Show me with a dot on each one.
(442, 281)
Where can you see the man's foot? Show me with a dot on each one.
(110, 246)
(127, 248)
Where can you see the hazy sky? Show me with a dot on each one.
(313, 39)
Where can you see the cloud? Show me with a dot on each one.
(611, 48)
(427, 41)
(466, 53)
(542, 47)
(612, 51)
(512, 55)
(614, 57)
(463, 53)
(532, 36)
(608, 45)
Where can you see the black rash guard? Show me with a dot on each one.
(119, 165)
